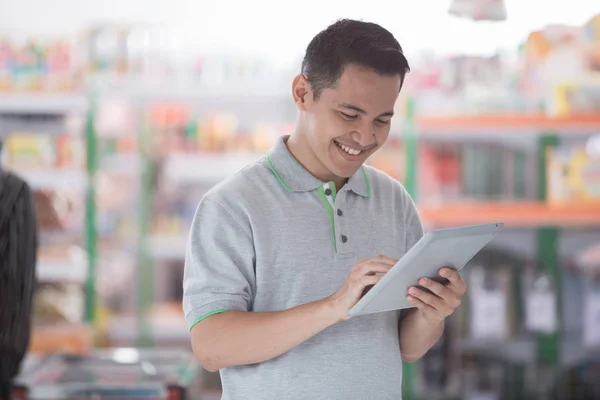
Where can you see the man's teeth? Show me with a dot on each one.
(349, 150)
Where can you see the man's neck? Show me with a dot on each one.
(301, 151)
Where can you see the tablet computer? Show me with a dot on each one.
(450, 247)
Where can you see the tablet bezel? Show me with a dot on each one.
(491, 229)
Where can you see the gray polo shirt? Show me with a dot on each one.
(273, 237)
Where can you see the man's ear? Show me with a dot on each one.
(301, 91)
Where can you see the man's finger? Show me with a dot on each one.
(425, 308)
(429, 299)
(367, 281)
(386, 259)
(439, 289)
(456, 281)
(372, 267)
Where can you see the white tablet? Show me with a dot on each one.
(452, 247)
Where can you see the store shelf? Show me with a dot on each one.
(164, 247)
(32, 103)
(50, 126)
(54, 178)
(206, 168)
(523, 350)
(509, 124)
(515, 350)
(61, 271)
(230, 92)
(515, 214)
(574, 353)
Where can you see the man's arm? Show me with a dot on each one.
(423, 326)
(241, 338)
(219, 286)
(417, 335)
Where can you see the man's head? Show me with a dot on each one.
(351, 75)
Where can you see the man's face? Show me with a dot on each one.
(349, 122)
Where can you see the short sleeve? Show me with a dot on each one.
(219, 264)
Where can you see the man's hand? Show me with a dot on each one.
(367, 272)
(443, 300)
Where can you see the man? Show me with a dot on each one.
(18, 247)
(280, 252)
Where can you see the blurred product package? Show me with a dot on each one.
(573, 172)
(479, 10)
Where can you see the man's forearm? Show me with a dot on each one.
(417, 335)
(241, 338)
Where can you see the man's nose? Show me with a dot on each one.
(363, 135)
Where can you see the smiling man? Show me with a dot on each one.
(279, 253)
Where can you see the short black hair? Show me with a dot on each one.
(355, 42)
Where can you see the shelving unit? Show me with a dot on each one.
(54, 125)
(43, 103)
(174, 178)
(515, 124)
(515, 214)
(549, 352)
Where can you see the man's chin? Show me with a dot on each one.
(347, 173)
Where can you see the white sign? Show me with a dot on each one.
(540, 312)
(591, 319)
(489, 319)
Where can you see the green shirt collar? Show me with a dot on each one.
(294, 177)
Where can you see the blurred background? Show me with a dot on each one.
(121, 114)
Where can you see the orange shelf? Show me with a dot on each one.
(527, 123)
(515, 214)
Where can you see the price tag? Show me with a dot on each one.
(489, 319)
(540, 312)
(591, 319)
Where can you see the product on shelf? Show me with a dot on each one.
(573, 175)
(540, 302)
(57, 303)
(560, 69)
(106, 48)
(37, 151)
(479, 10)
(439, 174)
(467, 85)
(174, 128)
(591, 313)
(589, 261)
(591, 32)
(61, 338)
(473, 171)
(5, 64)
(488, 303)
(38, 67)
(30, 151)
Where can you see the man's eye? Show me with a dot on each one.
(348, 116)
(381, 122)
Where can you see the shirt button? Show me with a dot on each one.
(339, 212)
(344, 238)
(327, 192)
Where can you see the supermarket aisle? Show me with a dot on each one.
(120, 129)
